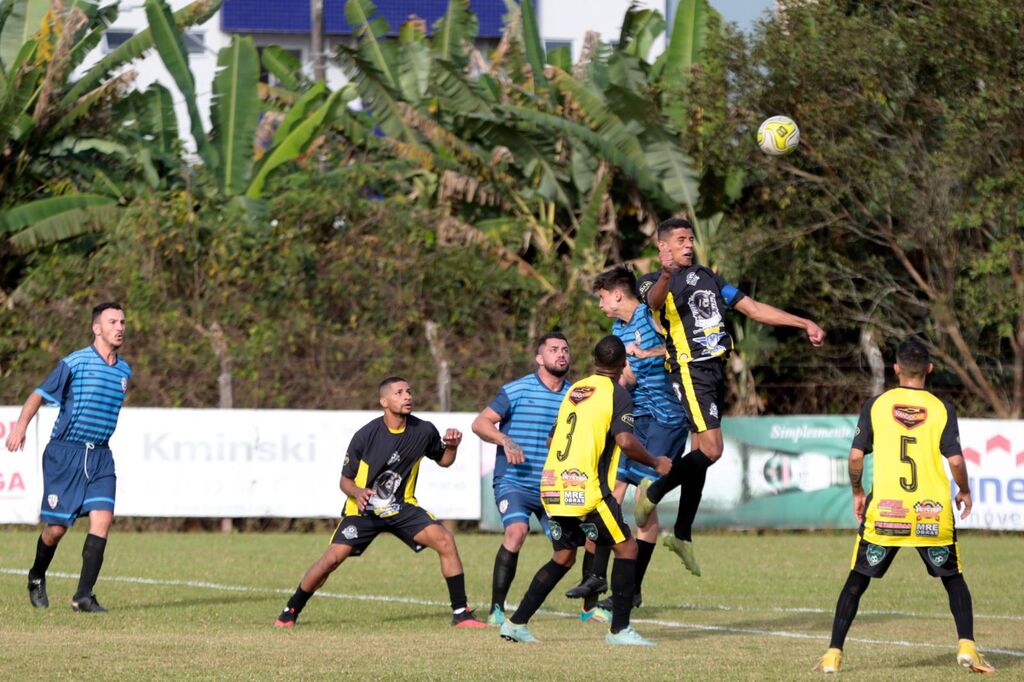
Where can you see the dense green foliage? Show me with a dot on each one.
(481, 193)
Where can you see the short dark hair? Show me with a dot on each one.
(109, 305)
(547, 337)
(912, 355)
(610, 353)
(666, 226)
(620, 277)
(387, 382)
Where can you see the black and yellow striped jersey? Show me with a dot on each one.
(909, 431)
(583, 457)
(388, 462)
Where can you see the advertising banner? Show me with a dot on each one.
(237, 463)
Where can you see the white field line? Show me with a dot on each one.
(204, 585)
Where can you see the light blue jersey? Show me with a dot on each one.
(528, 409)
(653, 394)
(90, 394)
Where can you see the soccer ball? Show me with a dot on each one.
(778, 135)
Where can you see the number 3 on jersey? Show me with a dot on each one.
(563, 455)
(905, 443)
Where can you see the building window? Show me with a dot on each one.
(195, 42)
(115, 39)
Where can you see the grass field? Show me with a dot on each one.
(201, 606)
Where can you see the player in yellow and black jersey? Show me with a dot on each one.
(910, 431)
(595, 423)
(690, 300)
(379, 478)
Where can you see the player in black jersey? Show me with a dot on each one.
(690, 300)
(379, 478)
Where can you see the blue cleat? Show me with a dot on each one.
(627, 636)
(595, 615)
(517, 633)
(497, 617)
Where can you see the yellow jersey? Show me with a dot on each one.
(910, 431)
(583, 458)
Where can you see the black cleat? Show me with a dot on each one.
(87, 605)
(591, 586)
(37, 592)
(606, 603)
(466, 619)
(287, 618)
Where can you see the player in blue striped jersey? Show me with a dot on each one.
(518, 421)
(89, 386)
(659, 420)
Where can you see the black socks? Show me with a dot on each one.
(644, 550)
(504, 573)
(299, 599)
(960, 604)
(44, 555)
(846, 607)
(623, 587)
(540, 587)
(92, 561)
(457, 591)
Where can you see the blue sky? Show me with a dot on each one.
(743, 12)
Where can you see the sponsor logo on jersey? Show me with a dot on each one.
(124, 384)
(892, 528)
(547, 478)
(927, 530)
(938, 555)
(645, 286)
(637, 336)
(704, 308)
(576, 498)
(52, 501)
(551, 497)
(574, 478)
(874, 554)
(346, 460)
(503, 506)
(350, 533)
(393, 459)
(710, 343)
(581, 393)
(628, 419)
(692, 279)
(909, 415)
(928, 510)
(892, 509)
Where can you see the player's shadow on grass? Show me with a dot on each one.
(188, 603)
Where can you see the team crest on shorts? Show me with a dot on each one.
(938, 555)
(590, 530)
(350, 533)
(52, 501)
(874, 554)
(503, 506)
(556, 530)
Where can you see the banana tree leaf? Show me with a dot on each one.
(283, 65)
(371, 35)
(235, 112)
(20, 26)
(457, 27)
(298, 140)
(21, 89)
(414, 61)
(34, 212)
(531, 42)
(66, 225)
(170, 45)
(159, 119)
(676, 171)
(586, 233)
(456, 93)
(640, 28)
(198, 12)
(378, 98)
(686, 44)
(310, 100)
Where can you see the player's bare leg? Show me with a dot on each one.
(95, 545)
(313, 580)
(440, 539)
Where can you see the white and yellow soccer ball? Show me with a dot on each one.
(778, 135)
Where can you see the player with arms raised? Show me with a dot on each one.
(910, 432)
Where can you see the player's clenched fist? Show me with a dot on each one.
(452, 438)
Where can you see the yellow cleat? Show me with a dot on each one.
(684, 550)
(831, 662)
(967, 655)
(644, 506)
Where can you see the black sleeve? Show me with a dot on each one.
(949, 441)
(622, 411)
(864, 436)
(354, 454)
(644, 285)
(435, 446)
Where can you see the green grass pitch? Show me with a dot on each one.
(202, 606)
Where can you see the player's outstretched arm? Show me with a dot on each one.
(452, 438)
(629, 444)
(16, 439)
(769, 314)
(958, 467)
(856, 482)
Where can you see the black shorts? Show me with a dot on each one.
(874, 560)
(603, 526)
(700, 387)
(359, 531)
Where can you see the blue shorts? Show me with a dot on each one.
(77, 479)
(516, 504)
(659, 439)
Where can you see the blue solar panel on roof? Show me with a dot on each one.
(292, 16)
